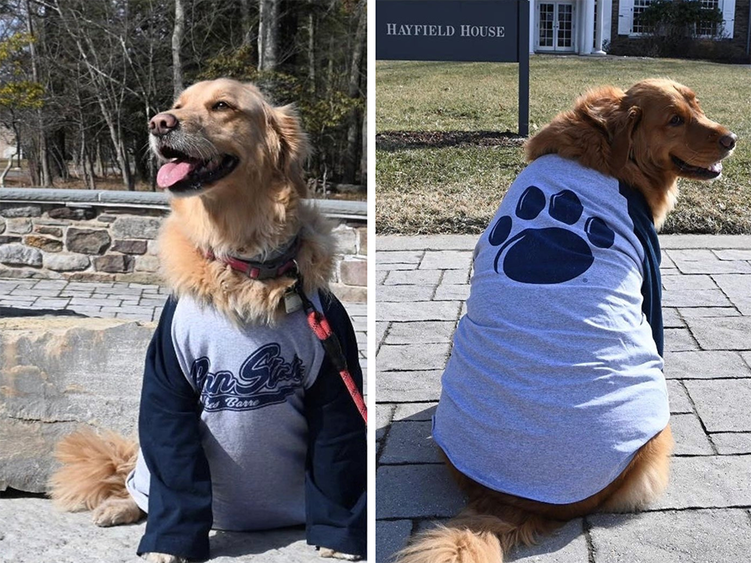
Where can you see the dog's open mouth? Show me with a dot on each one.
(184, 172)
(690, 171)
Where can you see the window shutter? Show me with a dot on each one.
(626, 16)
(728, 18)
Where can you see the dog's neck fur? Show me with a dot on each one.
(592, 146)
(238, 221)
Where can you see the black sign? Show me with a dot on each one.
(458, 30)
(448, 30)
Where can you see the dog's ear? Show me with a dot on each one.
(291, 145)
(622, 128)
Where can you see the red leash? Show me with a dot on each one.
(321, 328)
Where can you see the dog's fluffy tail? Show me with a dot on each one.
(474, 538)
(94, 468)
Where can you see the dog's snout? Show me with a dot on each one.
(162, 123)
(728, 141)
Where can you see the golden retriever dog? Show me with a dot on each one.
(244, 421)
(554, 404)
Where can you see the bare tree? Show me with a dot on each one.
(105, 67)
(177, 41)
(268, 34)
(41, 135)
(354, 138)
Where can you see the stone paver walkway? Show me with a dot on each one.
(704, 517)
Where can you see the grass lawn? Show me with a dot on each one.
(450, 171)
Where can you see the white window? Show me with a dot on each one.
(630, 10)
(639, 6)
(708, 29)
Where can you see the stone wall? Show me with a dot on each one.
(110, 236)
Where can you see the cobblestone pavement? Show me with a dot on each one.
(704, 516)
(31, 531)
(130, 301)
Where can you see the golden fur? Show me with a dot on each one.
(632, 136)
(628, 136)
(250, 212)
(93, 469)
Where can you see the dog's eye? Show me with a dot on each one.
(676, 120)
(220, 106)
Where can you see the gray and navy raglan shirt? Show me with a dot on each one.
(555, 379)
(246, 429)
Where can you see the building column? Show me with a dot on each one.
(600, 28)
(589, 26)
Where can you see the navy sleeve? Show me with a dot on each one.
(651, 288)
(180, 515)
(336, 472)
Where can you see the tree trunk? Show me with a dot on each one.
(177, 40)
(311, 52)
(99, 160)
(46, 178)
(5, 172)
(88, 176)
(18, 144)
(247, 24)
(268, 34)
(353, 132)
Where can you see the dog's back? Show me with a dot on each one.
(553, 357)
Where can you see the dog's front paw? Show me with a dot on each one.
(331, 554)
(163, 558)
(114, 512)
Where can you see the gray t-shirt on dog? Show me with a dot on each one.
(250, 383)
(555, 379)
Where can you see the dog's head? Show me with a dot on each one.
(222, 132)
(647, 136)
(660, 127)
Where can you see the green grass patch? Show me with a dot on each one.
(445, 185)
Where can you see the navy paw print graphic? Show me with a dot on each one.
(553, 254)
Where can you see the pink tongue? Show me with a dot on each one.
(172, 172)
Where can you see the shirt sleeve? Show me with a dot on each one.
(651, 288)
(336, 469)
(180, 514)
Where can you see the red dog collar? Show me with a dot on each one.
(263, 270)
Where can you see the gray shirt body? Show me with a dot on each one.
(555, 380)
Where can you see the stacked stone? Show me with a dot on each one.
(47, 241)
(352, 263)
(43, 240)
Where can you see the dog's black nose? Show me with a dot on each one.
(163, 123)
(728, 141)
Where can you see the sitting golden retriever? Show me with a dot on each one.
(554, 404)
(244, 422)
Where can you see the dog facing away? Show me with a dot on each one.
(244, 421)
(554, 403)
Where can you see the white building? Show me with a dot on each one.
(582, 27)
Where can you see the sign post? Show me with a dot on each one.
(458, 30)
